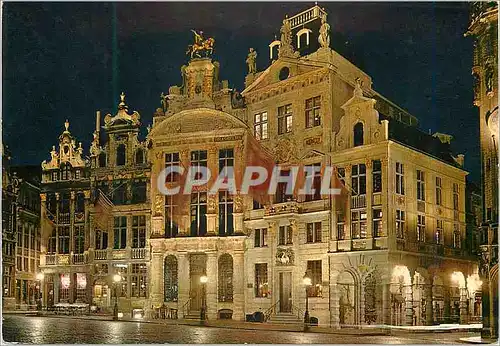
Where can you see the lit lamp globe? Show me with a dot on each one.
(204, 279)
(39, 276)
(307, 281)
(117, 278)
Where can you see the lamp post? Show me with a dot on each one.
(307, 282)
(203, 281)
(116, 279)
(39, 303)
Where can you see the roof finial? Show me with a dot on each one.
(66, 125)
(122, 104)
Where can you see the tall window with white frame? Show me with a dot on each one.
(261, 282)
(420, 185)
(358, 224)
(139, 231)
(285, 236)
(421, 228)
(341, 231)
(226, 224)
(101, 239)
(455, 197)
(313, 112)
(260, 126)
(260, 237)
(315, 270)
(285, 119)
(400, 224)
(313, 232)
(139, 280)
(63, 238)
(79, 239)
(313, 177)
(198, 214)
(400, 179)
(377, 222)
(171, 160)
(358, 179)
(439, 232)
(456, 236)
(171, 228)
(120, 232)
(439, 191)
(376, 176)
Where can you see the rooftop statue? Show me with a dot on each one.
(324, 34)
(200, 45)
(251, 61)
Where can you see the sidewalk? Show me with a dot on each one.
(365, 330)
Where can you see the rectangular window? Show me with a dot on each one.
(257, 205)
(377, 176)
(261, 284)
(400, 179)
(226, 158)
(172, 160)
(421, 228)
(285, 236)
(260, 126)
(358, 179)
(439, 232)
(439, 192)
(455, 196)
(199, 158)
(341, 233)
(313, 230)
(198, 214)
(314, 269)
(139, 189)
(358, 224)
(400, 224)
(456, 236)
(377, 222)
(121, 287)
(285, 119)
(420, 185)
(120, 232)
(171, 227)
(79, 238)
(120, 192)
(226, 223)
(139, 280)
(63, 240)
(313, 177)
(139, 231)
(26, 234)
(313, 109)
(281, 190)
(260, 237)
(101, 240)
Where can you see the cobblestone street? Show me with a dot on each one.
(45, 330)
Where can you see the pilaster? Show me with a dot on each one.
(211, 289)
(183, 280)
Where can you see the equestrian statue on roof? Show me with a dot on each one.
(200, 45)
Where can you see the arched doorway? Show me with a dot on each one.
(437, 300)
(197, 269)
(400, 296)
(348, 299)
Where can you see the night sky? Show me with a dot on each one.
(57, 61)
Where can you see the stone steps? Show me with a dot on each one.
(284, 318)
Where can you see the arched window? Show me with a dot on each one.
(139, 157)
(370, 299)
(102, 159)
(52, 242)
(225, 278)
(170, 279)
(79, 239)
(80, 203)
(358, 134)
(120, 155)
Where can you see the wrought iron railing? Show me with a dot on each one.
(270, 311)
(138, 253)
(298, 311)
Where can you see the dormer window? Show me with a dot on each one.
(66, 172)
(120, 155)
(102, 160)
(139, 157)
(55, 176)
(358, 134)
(303, 37)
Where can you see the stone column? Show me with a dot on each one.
(409, 304)
(334, 304)
(386, 303)
(183, 281)
(57, 282)
(211, 286)
(238, 286)
(464, 313)
(71, 226)
(156, 279)
(184, 225)
(212, 204)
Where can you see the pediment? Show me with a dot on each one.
(271, 76)
(197, 120)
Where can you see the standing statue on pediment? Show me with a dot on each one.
(324, 34)
(286, 48)
(164, 102)
(251, 61)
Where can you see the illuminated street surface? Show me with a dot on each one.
(49, 330)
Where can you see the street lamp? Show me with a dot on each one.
(203, 281)
(116, 279)
(39, 278)
(307, 283)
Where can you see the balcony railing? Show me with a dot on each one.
(290, 207)
(139, 253)
(358, 201)
(79, 258)
(101, 254)
(50, 260)
(306, 16)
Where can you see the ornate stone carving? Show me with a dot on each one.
(158, 204)
(285, 150)
(284, 257)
